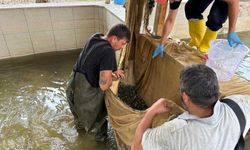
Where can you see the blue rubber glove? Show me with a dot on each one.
(158, 50)
(233, 39)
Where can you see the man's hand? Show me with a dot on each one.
(119, 73)
(158, 50)
(160, 106)
(233, 39)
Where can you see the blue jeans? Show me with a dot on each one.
(217, 15)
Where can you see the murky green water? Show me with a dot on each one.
(34, 113)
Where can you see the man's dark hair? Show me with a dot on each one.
(120, 31)
(200, 83)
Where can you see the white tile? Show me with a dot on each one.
(13, 21)
(82, 35)
(109, 25)
(65, 39)
(101, 26)
(62, 18)
(61, 25)
(98, 25)
(97, 13)
(105, 30)
(101, 13)
(112, 20)
(3, 48)
(104, 17)
(109, 20)
(104, 25)
(43, 41)
(19, 44)
(86, 23)
(84, 13)
(38, 19)
(115, 20)
(1, 31)
(61, 14)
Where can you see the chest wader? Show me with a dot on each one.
(87, 105)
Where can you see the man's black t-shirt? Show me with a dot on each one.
(97, 55)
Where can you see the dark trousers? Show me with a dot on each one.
(217, 15)
(87, 105)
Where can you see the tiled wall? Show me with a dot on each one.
(26, 31)
(45, 28)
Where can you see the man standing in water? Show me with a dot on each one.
(91, 76)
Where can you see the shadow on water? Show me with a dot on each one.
(34, 113)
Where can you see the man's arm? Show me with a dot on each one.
(105, 80)
(233, 11)
(168, 25)
(160, 106)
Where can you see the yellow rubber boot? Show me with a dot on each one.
(196, 31)
(208, 37)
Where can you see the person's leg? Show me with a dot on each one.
(193, 11)
(88, 102)
(195, 8)
(70, 95)
(101, 125)
(217, 16)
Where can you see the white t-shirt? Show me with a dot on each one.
(221, 131)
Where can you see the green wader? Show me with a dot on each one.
(87, 105)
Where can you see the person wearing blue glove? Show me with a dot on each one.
(168, 25)
(220, 10)
(233, 39)
(158, 50)
(201, 36)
